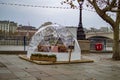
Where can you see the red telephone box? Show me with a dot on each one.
(99, 46)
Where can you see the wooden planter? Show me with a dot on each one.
(43, 58)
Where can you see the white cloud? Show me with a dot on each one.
(37, 16)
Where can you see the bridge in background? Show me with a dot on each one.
(105, 38)
(103, 34)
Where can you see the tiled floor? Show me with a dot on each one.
(14, 68)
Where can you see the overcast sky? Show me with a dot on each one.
(35, 16)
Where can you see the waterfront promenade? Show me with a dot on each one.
(103, 68)
(12, 48)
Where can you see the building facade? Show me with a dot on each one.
(7, 27)
(26, 30)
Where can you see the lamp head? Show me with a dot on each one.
(80, 1)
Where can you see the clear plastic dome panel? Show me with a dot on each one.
(52, 38)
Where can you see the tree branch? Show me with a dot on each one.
(110, 6)
(113, 10)
(118, 14)
(101, 12)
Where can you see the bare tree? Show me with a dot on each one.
(104, 8)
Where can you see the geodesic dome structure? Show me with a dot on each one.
(54, 39)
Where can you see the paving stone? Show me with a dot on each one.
(22, 74)
(14, 79)
(46, 78)
(51, 72)
(62, 77)
(7, 76)
(4, 71)
(28, 78)
(14, 68)
(2, 65)
(31, 69)
(39, 74)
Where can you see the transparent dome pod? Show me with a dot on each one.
(54, 39)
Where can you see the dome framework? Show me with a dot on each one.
(54, 39)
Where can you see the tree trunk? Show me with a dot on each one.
(116, 54)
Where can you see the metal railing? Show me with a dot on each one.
(14, 40)
(105, 47)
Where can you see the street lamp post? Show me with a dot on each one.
(80, 30)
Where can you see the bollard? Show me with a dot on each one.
(24, 43)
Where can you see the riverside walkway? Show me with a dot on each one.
(103, 68)
(12, 48)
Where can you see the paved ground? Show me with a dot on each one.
(12, 48)
(14, 68)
